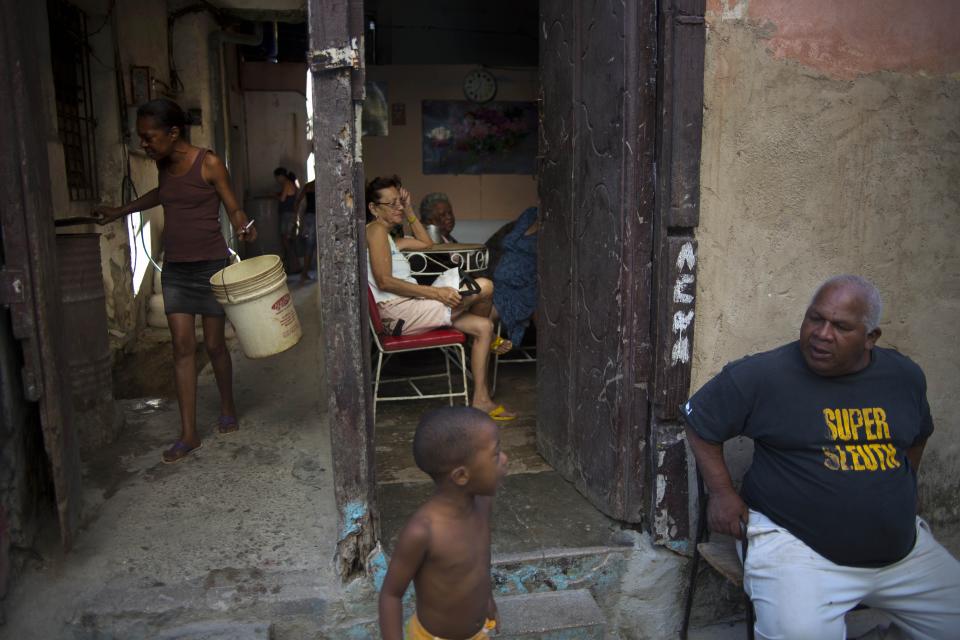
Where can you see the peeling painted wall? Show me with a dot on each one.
(851, 38)
(191, 46)
(832, 144)
(141, 41)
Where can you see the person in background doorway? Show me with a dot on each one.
(306, 207)
(287, 195)
(193, 182)
(417, 308)
(435, 209)
(515, 277)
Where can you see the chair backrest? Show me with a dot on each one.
(376, 324)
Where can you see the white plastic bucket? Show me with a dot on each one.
(255, 296)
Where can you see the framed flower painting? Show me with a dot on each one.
(461, 137)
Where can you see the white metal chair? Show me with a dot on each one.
(517, 355)
(446, 339)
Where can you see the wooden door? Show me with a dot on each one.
(336, 64)
(28, 279)
(598, 139)
(621, 121)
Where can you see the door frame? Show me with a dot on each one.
(681, 46)
(335, 60)
(29, 287)
(662, 311)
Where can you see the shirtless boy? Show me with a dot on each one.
(445, 546)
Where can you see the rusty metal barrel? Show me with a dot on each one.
(84, 330)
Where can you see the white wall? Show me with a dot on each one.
(276, 125)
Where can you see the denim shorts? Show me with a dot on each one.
(186, 287)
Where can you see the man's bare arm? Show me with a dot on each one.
(725, 510)
(407, 557)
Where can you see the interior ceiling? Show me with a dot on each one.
(487, 32)
(261, 5)
(293, 41)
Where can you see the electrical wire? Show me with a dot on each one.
(130, 194)
(176, 85)
(106, 18)
(128, 190)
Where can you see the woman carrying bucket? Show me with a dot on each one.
(192, 184)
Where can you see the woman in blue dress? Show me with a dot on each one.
(515, 278)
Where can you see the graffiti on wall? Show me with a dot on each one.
(683, 296)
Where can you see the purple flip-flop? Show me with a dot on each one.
(227, 424)
(178, 452)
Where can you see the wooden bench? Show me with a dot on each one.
(722, 556)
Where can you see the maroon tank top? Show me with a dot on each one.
(191, 216)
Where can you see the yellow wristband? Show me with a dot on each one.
(412, 219)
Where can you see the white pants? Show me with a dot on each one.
(800, 595)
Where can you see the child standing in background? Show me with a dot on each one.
(444, 548)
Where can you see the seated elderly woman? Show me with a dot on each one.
(435, 209)
(421, 307)
(515, 275)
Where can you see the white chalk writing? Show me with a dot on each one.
(683, 294)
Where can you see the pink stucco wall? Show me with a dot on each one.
(847, 38)
(831, 144)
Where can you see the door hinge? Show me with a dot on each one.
(11, 286)
(334, 58)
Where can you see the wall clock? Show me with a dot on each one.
(479, 86)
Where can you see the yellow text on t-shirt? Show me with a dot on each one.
(851, 424)
(855, 425)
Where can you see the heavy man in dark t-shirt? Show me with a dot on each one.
(830, 501)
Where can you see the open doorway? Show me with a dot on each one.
(447, 90)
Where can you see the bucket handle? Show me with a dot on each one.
(223, 283)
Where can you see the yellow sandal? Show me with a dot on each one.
(497, 414)
(497, 341)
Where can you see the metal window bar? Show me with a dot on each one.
(70, 55)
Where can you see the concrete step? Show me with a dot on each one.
(301, 601)
(553, 615)
(218, 630)
(556, 615)
(259, 604)
(598, 569)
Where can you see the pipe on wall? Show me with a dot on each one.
(219, 104)
(220, 114)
